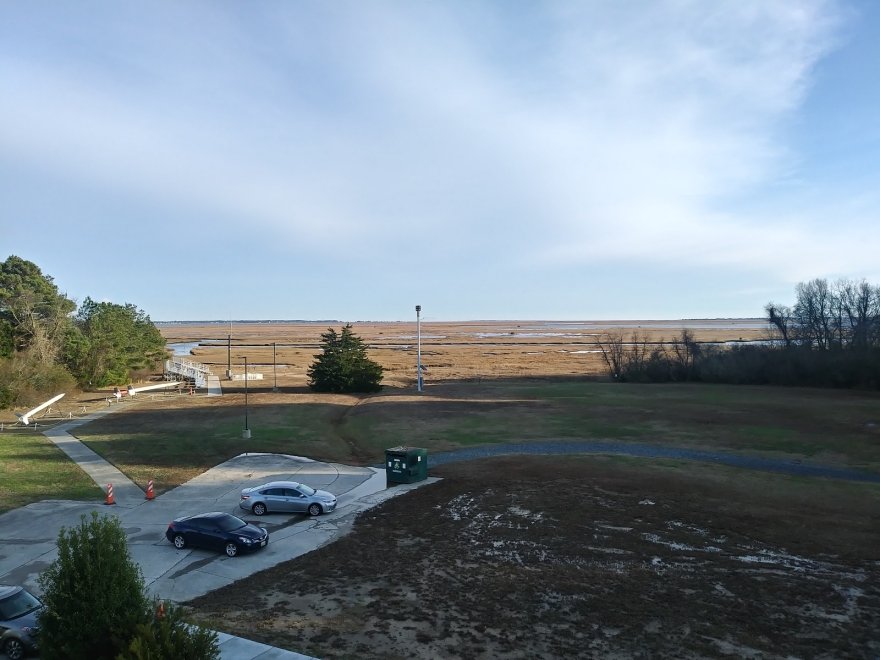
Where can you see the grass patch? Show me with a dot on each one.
(173, 441)
(34, 469)
(174, 445)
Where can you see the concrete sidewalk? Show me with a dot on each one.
(30, 533)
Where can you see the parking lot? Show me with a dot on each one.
(29, 538)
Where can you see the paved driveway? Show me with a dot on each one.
(29, 534)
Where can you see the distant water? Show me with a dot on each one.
(183, 347)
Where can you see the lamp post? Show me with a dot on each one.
(419, 346)
(247, 432)
(229, 356)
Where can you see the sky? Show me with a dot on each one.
(511, 159)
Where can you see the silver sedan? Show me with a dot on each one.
(286, 497)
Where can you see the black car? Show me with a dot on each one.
(216, 531)
(18, 621)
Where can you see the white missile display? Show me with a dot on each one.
(26, 418)
(134, 390)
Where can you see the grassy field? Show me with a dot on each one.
(33, 469)
(175, 439)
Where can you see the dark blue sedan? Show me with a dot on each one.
(216, 531)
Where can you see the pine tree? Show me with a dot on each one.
(343, 366)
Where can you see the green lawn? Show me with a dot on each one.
(171, 447)
(826, 426)
(33, 469)
(840, 428)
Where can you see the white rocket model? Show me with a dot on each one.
(26, 418)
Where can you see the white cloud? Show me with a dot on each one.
(582, 131)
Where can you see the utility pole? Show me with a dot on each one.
(419, 345)
(247, 432)
(274, 369)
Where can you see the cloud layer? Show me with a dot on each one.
(540, 138)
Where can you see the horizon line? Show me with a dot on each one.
(519, 320)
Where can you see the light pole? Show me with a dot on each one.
(229, 356)
(419, 345)
(247, 432)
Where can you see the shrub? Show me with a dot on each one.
(93, 592)
(167, 635)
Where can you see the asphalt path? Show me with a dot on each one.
(641, 450)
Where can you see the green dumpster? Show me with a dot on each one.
(406, 465)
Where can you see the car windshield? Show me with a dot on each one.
(229, 523)
(305, 490)
(18, 604)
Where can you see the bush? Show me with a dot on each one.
(168, 636)
(25, 381)
(93, 592)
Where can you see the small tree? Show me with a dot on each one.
(343, 366)
(93, 592)
(613, 351)
(96, 606)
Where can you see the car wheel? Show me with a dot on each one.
(315, 509)
(231, 549)
(259, 509)
(14, 649)
(179, 542)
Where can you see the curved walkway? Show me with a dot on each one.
(641, 450)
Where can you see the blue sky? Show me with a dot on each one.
(487, 160)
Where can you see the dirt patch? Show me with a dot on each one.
(573, 557)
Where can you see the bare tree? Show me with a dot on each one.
(636, 358)
(814, 312)
(780, 317)
(861, 305)
(612, 347)
(684, 350)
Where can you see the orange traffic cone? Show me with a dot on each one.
(160, 611)
(150, 493)
(109, 499)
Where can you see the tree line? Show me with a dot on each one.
(49, 344)
(829, 337)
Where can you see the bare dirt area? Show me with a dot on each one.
(582, 557)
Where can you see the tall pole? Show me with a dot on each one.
(274, 369)
(419, 345)
(247, 431)
(229, 356)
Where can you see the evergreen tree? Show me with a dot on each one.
(34, 314)
(93, 593)
(343, 365)
(44, 349)
(34, 321)
(110, 341)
